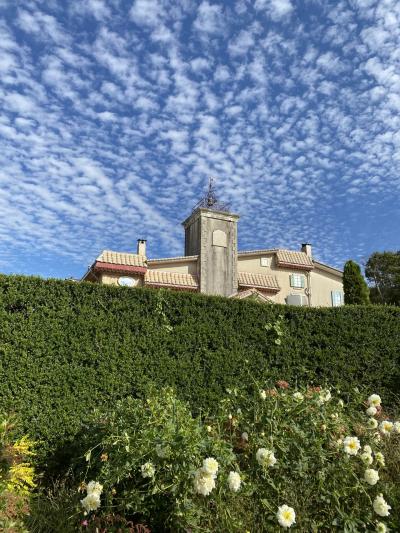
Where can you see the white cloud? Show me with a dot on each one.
(241, 44)
(277, 9)
(209, 18)
(146, 12)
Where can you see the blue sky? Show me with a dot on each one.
(114, 113)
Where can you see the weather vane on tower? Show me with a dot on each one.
(210, 200)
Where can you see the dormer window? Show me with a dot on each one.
(265, 261)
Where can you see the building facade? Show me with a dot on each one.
(213, 265)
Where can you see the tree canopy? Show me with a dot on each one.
(354, 286)
(383, 272)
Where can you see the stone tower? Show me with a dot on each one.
(211, 233)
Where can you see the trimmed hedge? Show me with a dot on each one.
(66, 348)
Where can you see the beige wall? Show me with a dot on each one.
(321, 281)
(189, 267)
(111, 278)
(250, 263)
(322, 284)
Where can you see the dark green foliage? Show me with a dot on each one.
(383, 271)
(355, 288)
(67, 348)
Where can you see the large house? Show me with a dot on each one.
(212, 264)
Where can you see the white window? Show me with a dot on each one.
(337, 298)
(296, 299)
(265, 261)
(297, 281)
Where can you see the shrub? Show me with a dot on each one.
(269, 460)
(16, 476)
(67, 348)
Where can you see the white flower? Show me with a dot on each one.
(380, 506)
(374, 400)
(380, 458)
(298, 396)
(372, 423)
(263, 394)
(334, 416)
(94, 487)
(234, 481)
(367, 448)
(377, 437)
(324, 396)
(265, 457)
(371, 476)
(148, 470)
(351, 445)
(340, 403)
(230, 416)
(366, 458)
(209, 429)
(396, 427)
(203, 483)
(371, 411)
(286, 516)
(245, 436)
(91, 502)
(210, 466)
(386, 427)
(381, 527)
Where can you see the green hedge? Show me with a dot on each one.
(66, 348)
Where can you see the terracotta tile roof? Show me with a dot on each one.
(297, 259)
(257, 295)
(263, 281)
(171, 279)
(180, 259)
(121, 258)
(257, 252)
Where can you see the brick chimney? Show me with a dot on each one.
(306, 248)
(141, 247)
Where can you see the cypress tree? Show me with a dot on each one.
(355, 288)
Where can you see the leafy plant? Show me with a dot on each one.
(276, 458)
(68, 348)
(16, 475)
(276, 330)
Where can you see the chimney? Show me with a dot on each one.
(141, 247)
(306, 248)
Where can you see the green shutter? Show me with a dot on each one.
(291, 280)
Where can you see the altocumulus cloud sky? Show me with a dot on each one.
(114, 113)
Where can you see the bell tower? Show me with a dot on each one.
(211, 233)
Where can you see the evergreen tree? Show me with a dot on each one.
(383, 272)
(355, 288)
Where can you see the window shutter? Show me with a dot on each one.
(333, 298)
(302, 282)
(291, 280)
